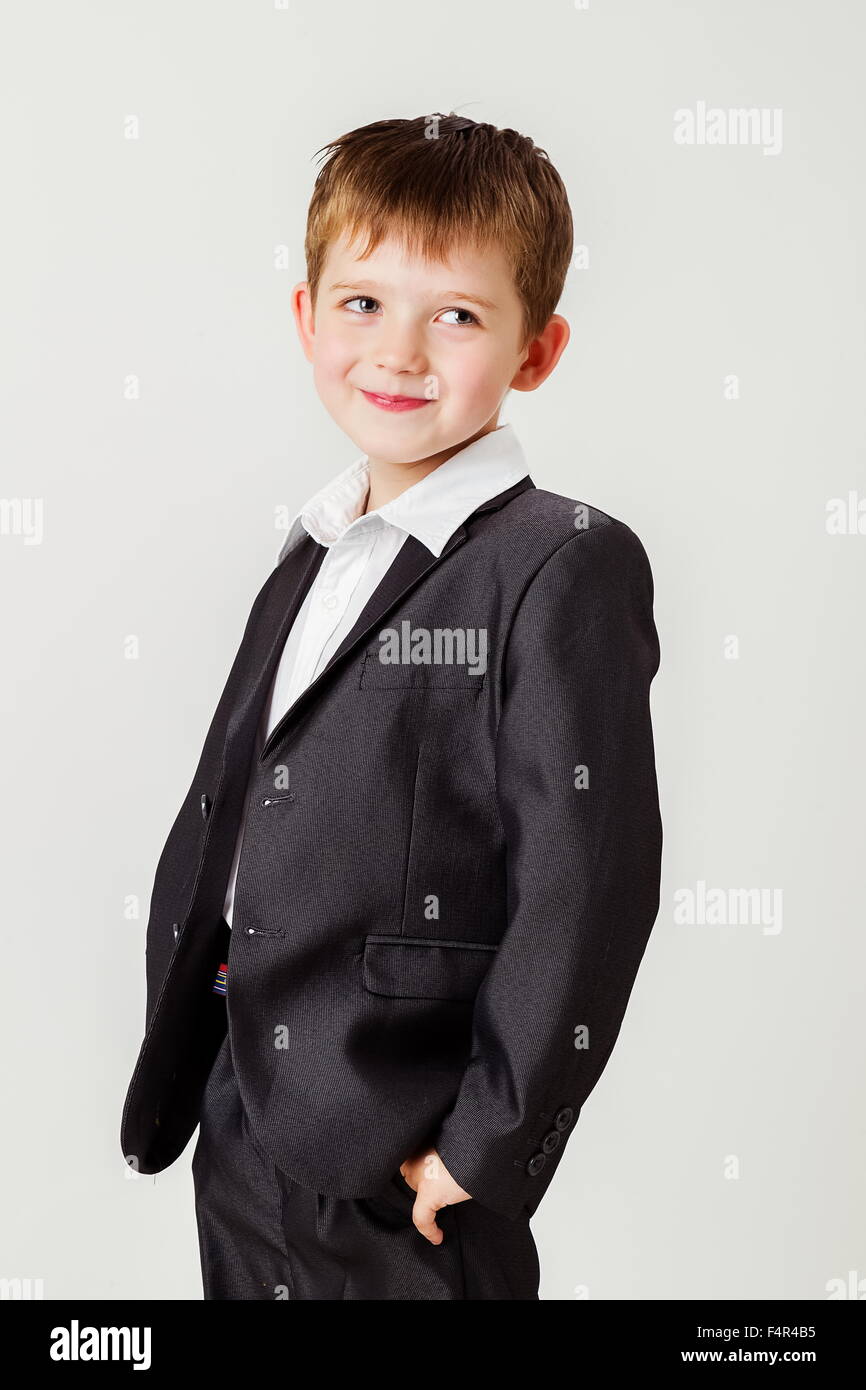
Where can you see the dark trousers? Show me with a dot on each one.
(262, 1236)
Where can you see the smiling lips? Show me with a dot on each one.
(395, 403)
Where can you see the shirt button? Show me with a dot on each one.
(564, 1117)
(330, 601)
(535, 1165)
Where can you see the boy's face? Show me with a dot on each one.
(413, 359)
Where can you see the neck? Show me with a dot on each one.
(388, 480)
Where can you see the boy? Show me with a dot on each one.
(396, 923)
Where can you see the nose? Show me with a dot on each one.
(399, 349)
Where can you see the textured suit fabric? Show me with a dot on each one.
(360, 548)
(262, 1236)
(447, 880)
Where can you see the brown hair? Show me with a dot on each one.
(437, 182)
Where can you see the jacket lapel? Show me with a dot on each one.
(245, 693)
(414, 561)
(261, 649)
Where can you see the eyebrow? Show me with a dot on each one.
(367, 286)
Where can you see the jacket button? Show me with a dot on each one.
(205, 805)
(175, 926)
(564, 1117)
(551, 1141)
(535, 1165)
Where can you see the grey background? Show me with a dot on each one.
(156, 257)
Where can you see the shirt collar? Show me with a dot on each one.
(430, 510)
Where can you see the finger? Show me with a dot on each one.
(424, 1217)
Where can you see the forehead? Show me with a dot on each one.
(393, 265)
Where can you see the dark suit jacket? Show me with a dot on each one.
(434, 912)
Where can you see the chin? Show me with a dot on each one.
(390, 451)
(398, 441)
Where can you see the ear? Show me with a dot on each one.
(302, 309)
(542, 355)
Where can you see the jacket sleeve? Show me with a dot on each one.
(583, 854)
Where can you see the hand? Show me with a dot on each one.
(428, 1177)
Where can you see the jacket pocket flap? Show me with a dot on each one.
(378, 675)
(407, 967)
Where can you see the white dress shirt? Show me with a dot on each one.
(361, 549)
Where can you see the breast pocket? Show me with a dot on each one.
(407, 967)
(457, 678)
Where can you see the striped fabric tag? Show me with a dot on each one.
(219, 984)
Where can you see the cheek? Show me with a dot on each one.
(478, 376)
(332, 358)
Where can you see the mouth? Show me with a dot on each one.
(395, 403)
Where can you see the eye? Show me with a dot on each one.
(364, 300)
(470, 317)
